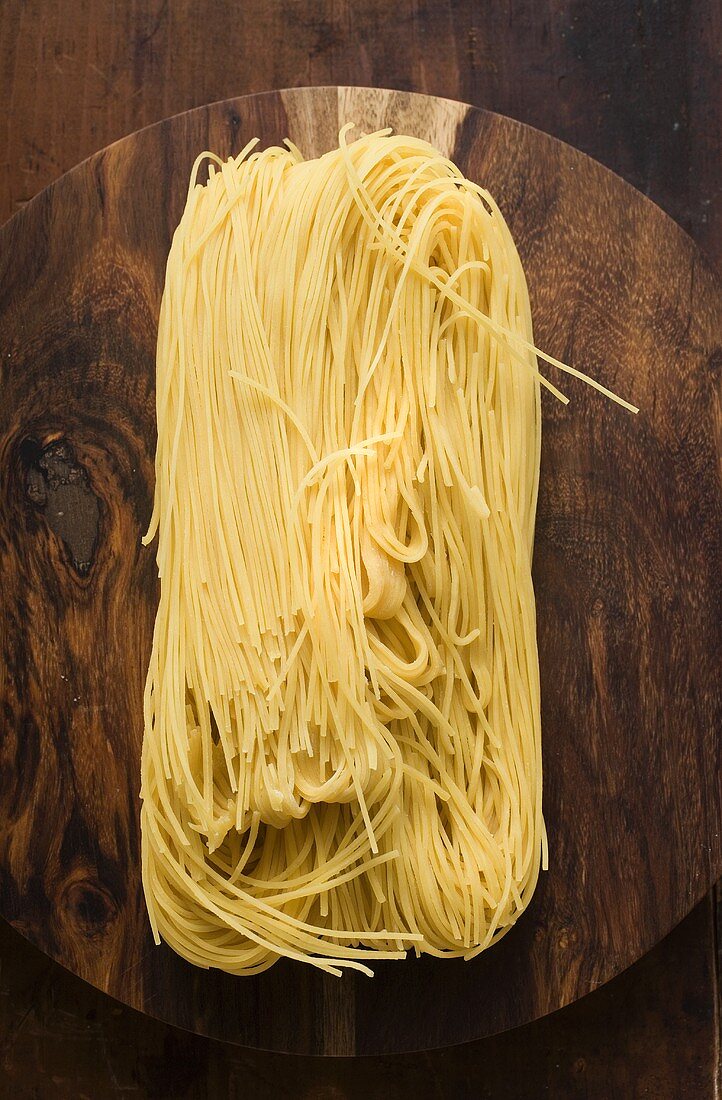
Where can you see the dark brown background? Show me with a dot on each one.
(636, 85)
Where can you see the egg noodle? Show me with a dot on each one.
(342, 753)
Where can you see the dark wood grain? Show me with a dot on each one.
(501, 56)
(634, 83)
(62, 1039)
(626, 568)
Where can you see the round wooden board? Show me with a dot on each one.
(627, 568)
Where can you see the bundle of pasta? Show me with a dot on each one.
(342, 723)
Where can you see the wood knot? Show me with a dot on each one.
(88, 907)
(567, 938)
(58, 486)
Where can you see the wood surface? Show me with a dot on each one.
(626, 568)
(649, 106)
(647, 1035)
(634, 83)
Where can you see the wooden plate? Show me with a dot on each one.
(627, 570)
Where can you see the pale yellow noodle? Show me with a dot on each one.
(342, 752)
